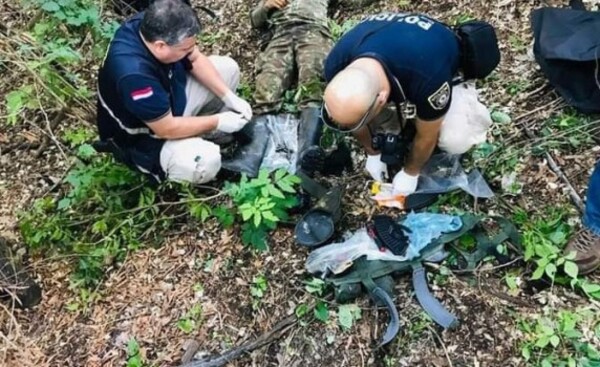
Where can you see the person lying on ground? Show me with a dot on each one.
(161, 101)
(299, 42)
(586, 243)
(405, 62)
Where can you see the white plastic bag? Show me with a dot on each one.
(466, 123)
(282, 149)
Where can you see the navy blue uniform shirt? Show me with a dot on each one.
(134, 88)
(420, 55)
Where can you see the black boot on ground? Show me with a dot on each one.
(247, 158)
(311, 157)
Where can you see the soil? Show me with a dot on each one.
(146, 295)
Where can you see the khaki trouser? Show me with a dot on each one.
(196, 159)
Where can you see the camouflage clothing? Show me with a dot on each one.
(296, 52)
(296, 56)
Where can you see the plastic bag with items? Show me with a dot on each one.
(424, 228)
(442, 173)
(282, 149)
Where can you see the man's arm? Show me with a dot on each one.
(364, 137)
(170, 127)
(424, 143)
(260, 15)
(205, 72)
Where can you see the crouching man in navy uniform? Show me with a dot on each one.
(392, 61)
(161, 101)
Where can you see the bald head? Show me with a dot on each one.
(349, 95)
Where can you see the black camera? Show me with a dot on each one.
(393, 148)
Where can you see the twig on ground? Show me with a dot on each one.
(502, 296)
(275, 333)
(439, 339)
(50, 126)
(554, 105)
(556, 169)
(484, 270)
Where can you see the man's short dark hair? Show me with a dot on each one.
(170, 21)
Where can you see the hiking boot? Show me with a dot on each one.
(587, 248)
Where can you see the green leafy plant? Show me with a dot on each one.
(134, 358)
(337, 30)
(78, 136)
(347, 315)
(191, 320)
(544, 238)
(106, 211)
(261, 203)
(49, 56)
(557, 339)
(259, 286)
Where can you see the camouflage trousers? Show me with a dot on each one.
(293, 56)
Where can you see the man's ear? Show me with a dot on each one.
(159, 45)
(382, 98)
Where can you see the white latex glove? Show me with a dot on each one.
(237, 104)
(230, 122)
(405, 184)
(376, 168)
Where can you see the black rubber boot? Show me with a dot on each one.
(248, 157)
(311, 157)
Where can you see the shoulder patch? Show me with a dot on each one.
(440, 98)
(142, 93)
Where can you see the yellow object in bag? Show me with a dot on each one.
(384, 196)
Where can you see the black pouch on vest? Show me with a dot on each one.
(479, 49)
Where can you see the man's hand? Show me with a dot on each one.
(376, 168)
(405, 184)
(237, 104)
(230, 122)
(275, 4)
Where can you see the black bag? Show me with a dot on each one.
(567, 47)
(479, 49)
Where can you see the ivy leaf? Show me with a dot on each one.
(558, 237)
(247, 213)
(301, 310)
(257, 219)
(50, 6)
(133, 348)
(590, 287)
(275, 192)
(500, 117)
(64, 203)
(322, 312)
(224, 216)
(542, 341)
(347, 314)
(279, 174)
(315, 285)
(538, 273)
(185, 325)
(526, 353)
(571, 269)
(269, 216)
(551, 270)
(554, 340)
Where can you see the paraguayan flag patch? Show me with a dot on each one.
(142, 93)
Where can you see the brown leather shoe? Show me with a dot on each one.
(587, 248)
